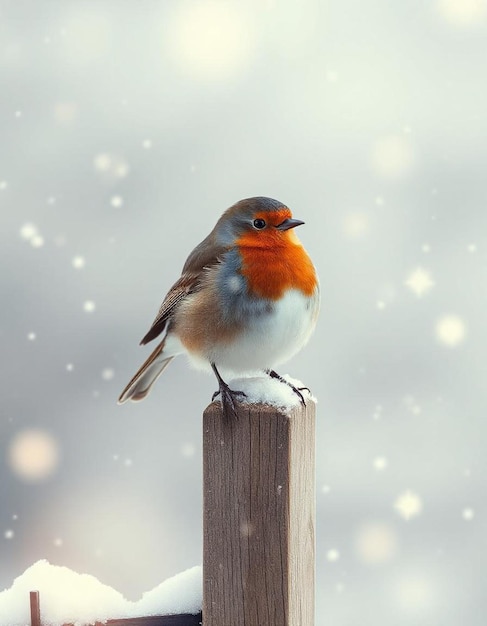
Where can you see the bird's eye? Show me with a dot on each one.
(259, 223)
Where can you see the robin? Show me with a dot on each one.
(247, 300)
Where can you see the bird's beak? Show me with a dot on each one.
(289, 223)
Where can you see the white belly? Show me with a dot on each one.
(271, 339)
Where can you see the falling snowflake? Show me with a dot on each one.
(102, 162)
(116, 201)
(28, 230)
(107, 373)
(30, 233)
(3, 185)
(78, 262)
(419, 281)
(89, 306)
(37, 241)
(9, 534)
(468, 514)
(380, 463)
(188, 450)
(111, 167)
(377, 412)
(408, 505)
(332, 555)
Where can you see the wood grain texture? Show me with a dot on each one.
(258, 521)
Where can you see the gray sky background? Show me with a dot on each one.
(126, 129)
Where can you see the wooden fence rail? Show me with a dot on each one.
(185, 619)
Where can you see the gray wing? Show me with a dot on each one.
(205, 255)
(188, 283)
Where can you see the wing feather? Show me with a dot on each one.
(205, 255)
(179, 291)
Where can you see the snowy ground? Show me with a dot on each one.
(80, 599)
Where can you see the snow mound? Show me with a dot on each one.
(182, 593)
(67, 597)
(266, 390)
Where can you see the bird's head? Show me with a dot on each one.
(257, 222)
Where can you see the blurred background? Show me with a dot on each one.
(126, 129)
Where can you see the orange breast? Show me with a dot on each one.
(276, 263)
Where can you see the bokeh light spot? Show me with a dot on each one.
(415, 593)
(468, 514)
(33, 455)
(107, 373)
(211, 40)
(89, 306)
(408, 505)
(450, 330)
(356, 225)
(110, 167)
(393, 157)
(78, 262)
(332, 555)
(463, 12)
(419, 281)
(376, 542)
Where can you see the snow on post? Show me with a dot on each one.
(259, 510)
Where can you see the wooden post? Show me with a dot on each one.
(35, 609)
(259, 516)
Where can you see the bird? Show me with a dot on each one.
(247, 301)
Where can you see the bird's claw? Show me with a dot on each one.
(228, 400)
(297, 390)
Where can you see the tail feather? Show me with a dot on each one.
(146, 376)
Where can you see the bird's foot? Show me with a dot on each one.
(229, 397)
(297, 390)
